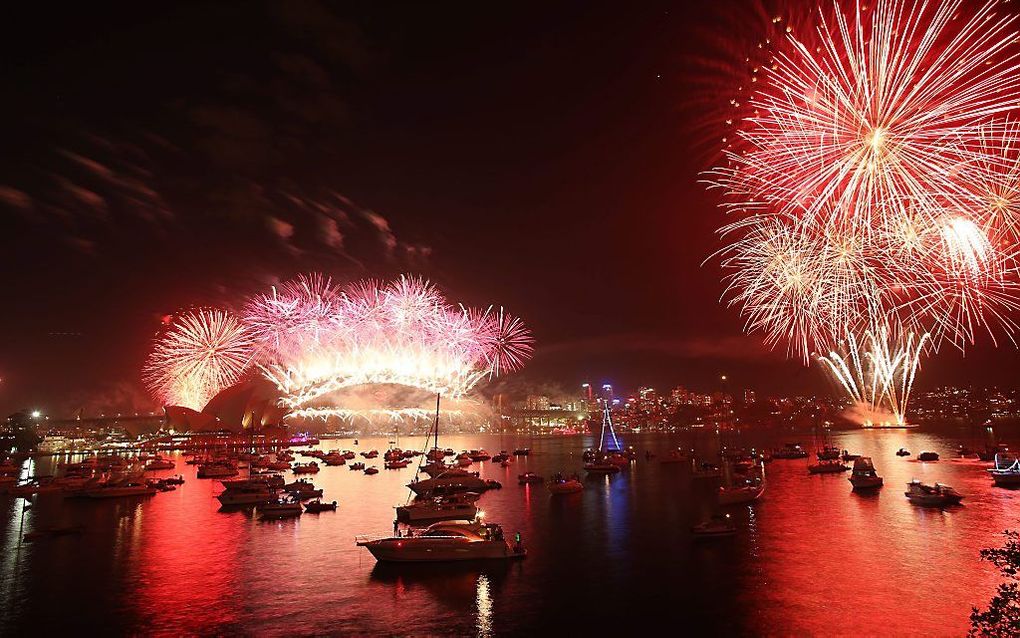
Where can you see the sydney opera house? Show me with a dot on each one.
(250, 407)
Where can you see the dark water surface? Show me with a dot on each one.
(810, 557)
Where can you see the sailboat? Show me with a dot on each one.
(743, 489)
(444, 479)
(609, 457)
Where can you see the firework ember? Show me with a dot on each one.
(874, 183)
(201, 353)
(313, 338)
(878, 374)
(401, 333)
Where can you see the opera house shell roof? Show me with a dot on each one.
(249, 406)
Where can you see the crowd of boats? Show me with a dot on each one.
(441, 520)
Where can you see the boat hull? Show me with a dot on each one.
(738, 496)
(440, 550)
(866, 482)
(449, 485)
(1006, 480)
(424, 515)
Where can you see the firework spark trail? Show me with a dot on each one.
(403, 333)
(200, 354)
(311, 338)
(875, 183)
(886, 108)
(879, 372)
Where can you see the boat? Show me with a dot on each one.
(38, 485)
(502, 456)
(119, 490)
(479, 455)
(529, 478)
(601, 467)
(396, 464)
(902, 452)
(704, 470)
(928, 456)
(522, 451)
(718, 525)
(441, 508)
(306, 468)
(250, 491)
(371, 454)
(864, 476)
(444, 542)
(371, 470)
(334, 458)
(448, 484)
(174, 480)
(739, 494)
(828, 453)
(938, 496)
(160, 485)
(160, 464)
(357, 466)
(828, 467)
(1006, 472)
(559, 484)
(317, 506)
(302, 489)
(847, 457)
(281, 508)
(217, 469)
(790, 451)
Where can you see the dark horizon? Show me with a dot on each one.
(542, 158)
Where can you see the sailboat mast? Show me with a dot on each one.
(436, 426)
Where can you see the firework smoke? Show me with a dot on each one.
(313, 338)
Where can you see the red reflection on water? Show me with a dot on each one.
(874, 563)
(189, 560)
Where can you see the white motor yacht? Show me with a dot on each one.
(448, 484)
(119, 490)
(443, 542)
(442, 508)
(246, 492)
(864, 476)
(938, 496)
(1006, 472)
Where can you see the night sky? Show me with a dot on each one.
(541, 156)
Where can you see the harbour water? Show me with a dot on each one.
(810, 557)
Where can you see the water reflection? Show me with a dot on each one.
(175, 564)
